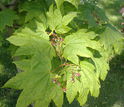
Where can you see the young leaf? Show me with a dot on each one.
(54, 18)
(57, 22)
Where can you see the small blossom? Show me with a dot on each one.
(77, 74)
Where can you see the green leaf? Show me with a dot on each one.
(89, 82)
(54, 18)
(37, 28)
(72, 85)
(57, 22)
(35, 82)
(68, 18)
(34, 28)
(79, 86)
(86, 14)
(102, 67)
(101, 14)
(112, 40)
(59, 3)
(74, 2)
(37, 88)
(77, 44)
(7, 17)
(33, 9)
(62, 29)
(92, 14)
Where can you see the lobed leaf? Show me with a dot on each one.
(33, 9)
(57, 22)
(77, 44)
(35, 82)
(112, 41)
(79, 86)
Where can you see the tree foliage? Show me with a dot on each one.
(62, 48)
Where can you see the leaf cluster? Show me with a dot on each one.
(62, 48)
